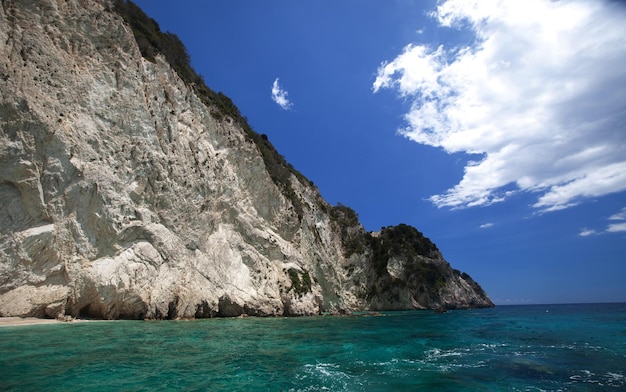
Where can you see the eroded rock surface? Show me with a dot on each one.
(123, 196)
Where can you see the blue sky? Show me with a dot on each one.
(497, 128)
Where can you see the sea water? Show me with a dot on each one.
(509, 348)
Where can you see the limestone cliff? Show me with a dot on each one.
(127, 191)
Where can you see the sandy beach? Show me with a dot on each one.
(16, 321)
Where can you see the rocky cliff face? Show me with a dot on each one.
(125, 193)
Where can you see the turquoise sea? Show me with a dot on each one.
(509, 348)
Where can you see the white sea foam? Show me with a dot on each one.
(576, 346)
(610, 379)
(449, 360)
(492, 346)
(436, 353)
(328, 376)
(614, 379)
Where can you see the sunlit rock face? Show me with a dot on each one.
(123, 195)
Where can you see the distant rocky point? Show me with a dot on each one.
(129, 189)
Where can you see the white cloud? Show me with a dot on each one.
(619, 216)
(587, 232)
(280, 96)
(541, 95)
(486, 225)
(611, 228)
(616, 227)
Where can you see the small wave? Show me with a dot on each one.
(610, 379)
(489, 346)
(576, 346)
(614, 379)
(449, 360)
(436, 353)
(594, 348)
(326, 377)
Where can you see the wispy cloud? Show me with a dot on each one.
(279, 96)
(621, 225)
(486, 225)
(619, 216)
(587, 232)
(540, 95)
(618, 227)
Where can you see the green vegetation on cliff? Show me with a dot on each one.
(353, 236)
(423, 275)
(424, 271)
(301, 281)
(407, 240)
(408, 243)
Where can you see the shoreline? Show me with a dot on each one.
(21, 321)
(10, 321)
(16, 321)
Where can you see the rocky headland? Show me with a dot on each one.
(129, 189)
